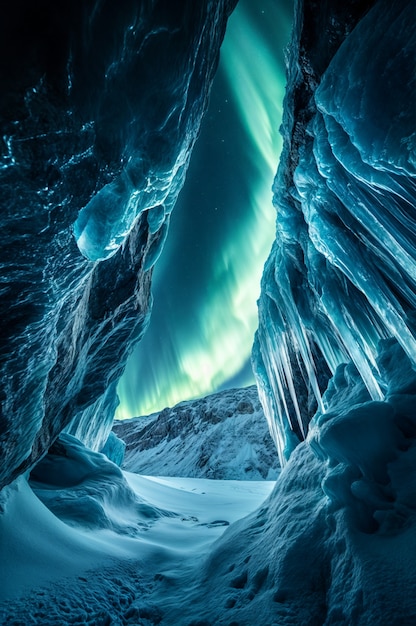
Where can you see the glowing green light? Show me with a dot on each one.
(257, 77)
(196, 358)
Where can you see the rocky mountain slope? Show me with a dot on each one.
(222, 436)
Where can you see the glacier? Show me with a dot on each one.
(90, 169)
(341, 275)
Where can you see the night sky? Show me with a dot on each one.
(207, 280)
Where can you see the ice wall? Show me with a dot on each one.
(341, 274)
(101, 104)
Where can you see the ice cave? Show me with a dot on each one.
(289, 500)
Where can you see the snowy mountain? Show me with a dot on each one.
(222, 436)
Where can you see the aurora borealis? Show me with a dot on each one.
(207, 281)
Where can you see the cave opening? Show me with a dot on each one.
(207, 280)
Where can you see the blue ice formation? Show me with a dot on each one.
(335, 350)
(101, 105)
(104, 223)
(98, 122)
(114, 449)
(342, 271)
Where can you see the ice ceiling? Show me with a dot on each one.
(208, 278)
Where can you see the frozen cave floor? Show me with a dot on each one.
(290, 561)
(113, 547)
(331, 542)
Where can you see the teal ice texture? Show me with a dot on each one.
(341, 275)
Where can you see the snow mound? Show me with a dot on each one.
(54, 573)
(334, 544)
(223, 436)
(84, 489)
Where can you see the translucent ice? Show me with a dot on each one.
(341, 275)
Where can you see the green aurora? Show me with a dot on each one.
(208, 279)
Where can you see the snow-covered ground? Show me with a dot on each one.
(124, 535)
(331, 543)
(184, 554)
(224, 435)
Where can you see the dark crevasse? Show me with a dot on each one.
(341, 274)
(101, 104)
